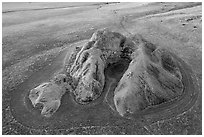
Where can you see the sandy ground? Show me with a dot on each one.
(37, 36)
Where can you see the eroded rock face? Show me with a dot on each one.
(153, 77)
(49, 94)
(90, 76)
(88, 69)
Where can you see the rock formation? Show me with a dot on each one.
(152, 77)
(88, 69)
(49, 94)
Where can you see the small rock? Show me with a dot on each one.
(189, 19)
(49, 94)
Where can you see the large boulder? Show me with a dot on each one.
(90, 76)
(88, 68)
(49, 94)
(153, 77)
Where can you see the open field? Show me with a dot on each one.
(36, 38)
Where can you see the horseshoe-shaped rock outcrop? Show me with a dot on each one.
(152, 76)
